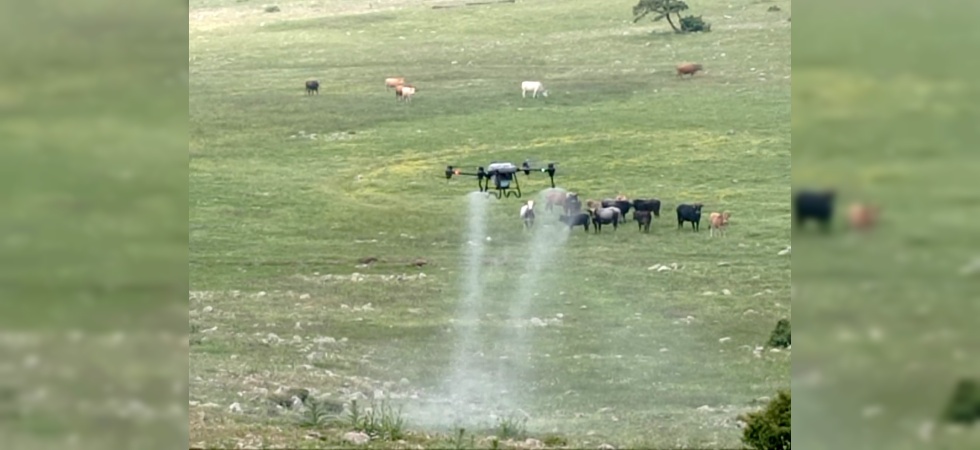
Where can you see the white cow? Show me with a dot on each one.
(527, 214)
(406, 93)
(533, 86)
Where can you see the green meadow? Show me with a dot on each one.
(621, 337)
(885, 109)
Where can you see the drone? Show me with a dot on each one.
(503, 175)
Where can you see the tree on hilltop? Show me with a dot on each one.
(662, 8)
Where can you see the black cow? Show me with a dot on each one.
(644, 218)
(312, 87)
(572, 203)
(816, 205)
(623, 205)
(652, 205)
(689, 213)
(606, 216)
(582, 219)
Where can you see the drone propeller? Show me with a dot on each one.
(549, 168)
(482, 177)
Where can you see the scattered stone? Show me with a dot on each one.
(208, 309)
(872, 411)
(356, 437)
(785, 251)
(235, 407)
(705, 408)
(532, 443)
(726, 292)
(724, 263)
(606, 447)
(304, 296)
(724, 339)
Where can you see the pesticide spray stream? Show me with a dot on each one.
(546, 240)
(468, 389)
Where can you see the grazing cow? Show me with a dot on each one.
(572, 204)
(652, 205)
(620, 202)
(607, 215)
(555, 197)
(527, 214)
(688, 69)
(816, 205)
(718, 222)
(862, 217)
(405, 93)
(644, 218)
(535, 87)
(393, 82)
(582, 219)
(312, 87)
(592, 204)
(689, 213)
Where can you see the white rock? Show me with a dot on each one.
(208, 309)
(235, 407)
(356, 437)
(724, 339)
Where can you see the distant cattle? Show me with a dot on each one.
(405, 93)
(568, 201)
(603, 216)
(534, 87)
(312, 87)
(816, 205)
(573, 221)
(688, 69)
(718, 222)
(652, 205)
(527, 214)
(643, 218)
(620, 202)
(862, 217)
(393, 81)
(689, 213)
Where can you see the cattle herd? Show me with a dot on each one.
(405, 91)
(807, 205)
(612, 211)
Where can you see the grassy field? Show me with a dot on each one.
(288, 192)
(93, 243)
(885, 325)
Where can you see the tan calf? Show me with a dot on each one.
(718, 221)
(862, 217)
(393, 82)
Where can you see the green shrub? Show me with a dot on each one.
(769, 429)
(380, 421)
(964, 406)
(781, 336)
(693, 24)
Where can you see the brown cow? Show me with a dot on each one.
(688, 69)
(719, 222)
(862, 217)
(393, 81)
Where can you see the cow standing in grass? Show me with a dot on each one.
(393, 82)
(689, 213)
(643, 218)
(312, 87)
(535, 87)
(718, 223)
(688, 69)
(527, 214)
(611, 215)
(816, 205)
